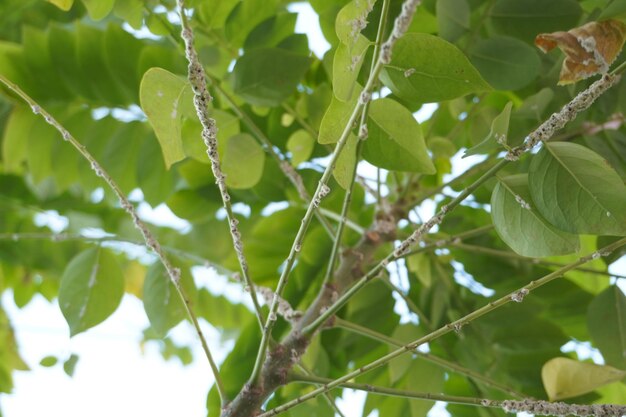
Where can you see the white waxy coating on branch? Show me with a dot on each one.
(201, 100)
(568, 113)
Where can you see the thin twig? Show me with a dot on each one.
(441, 243)
(150, 240)
(513, 255)
(67, 237)
(393, 392)
(455, 326)
(329, 398)
(557, 121)
(291, 174)
(374, 335)
(359, 146)
(409, 303)
(337, 217)
(311, 131)
(401, 25)
(474, 170)
(284, 165)
(201, 100)
(530, 406)
(404, 246)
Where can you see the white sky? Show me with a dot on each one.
(113, 376)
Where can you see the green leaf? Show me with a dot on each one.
(222, 312)
(346, 66)
(611, 145)
(42, 137)
(615, 9)
(521, 226)
(158, 24)
(122, 52)
(9, 354)
(301, 145)
(69, 366)
(415, 380)
(505, 63)
(453, 18)
(161, 301)
(63, 48)
(215, 12)
(153, 178)
(407, 373)
(195, 205)
(272, 31)
(161, 94)
(395, 140)
(425, 68)
(497, 136)
(91, 288)
(335, 120)
(267, 76)
(242, 161)
(419, 264)
(351, 19)
(64, 5)
(98, 9)
(527, 19)
(93, 65)
(577, 191)
(131, 11)
(614, 256)
(245, 16)
(194, 146)
(344, 167)
(38, 60)
(606, 321)
(48, 361)
(566, 378)
(16, 138)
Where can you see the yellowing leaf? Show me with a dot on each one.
(134, 275)
(567, 378)
(62, 4)
(590, 49)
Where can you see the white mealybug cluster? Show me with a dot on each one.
(522, 202)
(518, 296)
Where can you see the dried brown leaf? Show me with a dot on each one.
(589, 49)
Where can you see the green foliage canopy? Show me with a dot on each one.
(280, 110)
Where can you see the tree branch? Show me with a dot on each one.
(291, 174)
(557, 121)
(66, 237)
(374, 335)
(150, 241)
(401, 25)
(456, 326)
(359, 146)
(282, 162)
(513, 255)
(201, 100)
(536, 407)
